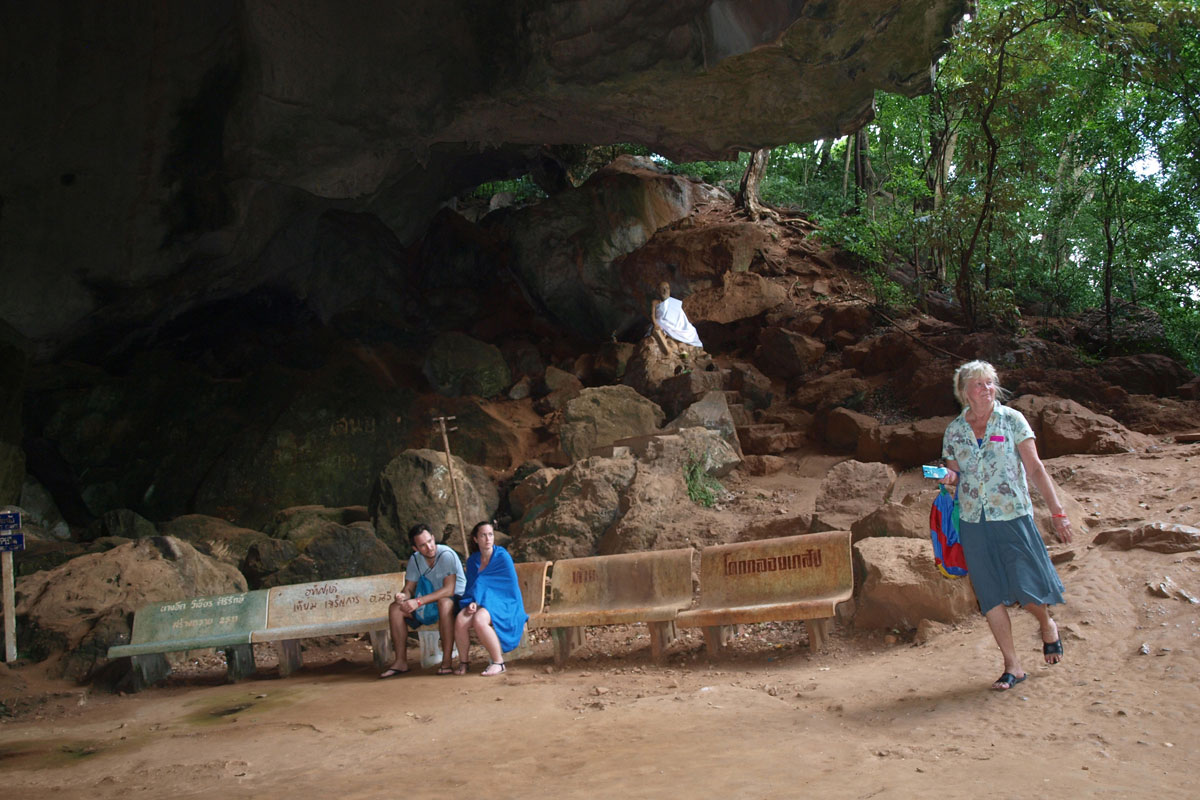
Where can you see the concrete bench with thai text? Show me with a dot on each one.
(328, 608)
(225, 622)
(790, 578)
(531, 577)
(648, 587)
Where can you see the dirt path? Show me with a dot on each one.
(868, 718)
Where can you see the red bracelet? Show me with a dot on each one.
(1059, 516)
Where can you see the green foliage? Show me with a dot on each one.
(523, 188)
(702, 488)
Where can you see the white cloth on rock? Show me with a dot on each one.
(671, 317)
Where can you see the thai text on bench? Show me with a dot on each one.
(749, 566)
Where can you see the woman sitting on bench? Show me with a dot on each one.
(491, 605)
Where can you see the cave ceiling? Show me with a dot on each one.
(154, 152)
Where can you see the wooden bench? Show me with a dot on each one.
(790, 578)
(328, 608)
(225, 622)
(611, 590)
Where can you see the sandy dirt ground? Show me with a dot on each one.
(877, 714)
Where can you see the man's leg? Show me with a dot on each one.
(446, 631)
(462, 639)
(398, 623)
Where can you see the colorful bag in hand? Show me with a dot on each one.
(943, 529)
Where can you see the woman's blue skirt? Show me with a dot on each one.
(1008, 563)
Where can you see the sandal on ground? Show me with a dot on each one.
(462, 668)
(392, 672)
(445, 671)
(1007, 681)
(1054, 648)
(494, 668)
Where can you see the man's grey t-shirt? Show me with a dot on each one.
(446, 562)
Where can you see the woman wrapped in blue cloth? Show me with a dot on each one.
(991, 454)
(491, 605)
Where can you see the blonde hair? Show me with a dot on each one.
(976, 369)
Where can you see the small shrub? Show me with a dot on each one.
(702, 488)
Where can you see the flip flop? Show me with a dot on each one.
(490, 671)
(1054, 648)
(445, 671)
(392, 672)
(1008, 678)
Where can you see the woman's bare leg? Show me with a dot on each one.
(1001, 626)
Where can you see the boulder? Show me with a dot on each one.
(415, 487)
(559, 380)
(521, 389)
(567, 518)
(1064, 427)
(484, 433)
(773, 528)
(693, 257)
(711, 412)
(785, 354)
(292, 523)
(912, 443)
(124, 523)
(844, 429)
(755, 387)
(854, 319)
(601, 415)
(214, 537)
(887, 353)
(43, 550)
(676, 392)
(900, 586)
(328, 551)
(86, 605)
(739, 296)
(652, 499)
(673, 452)
(266, 558)
(611, 361)
(849, 492)
(1158, 537)
(1146, 373)
(766, 465)
(457, 364)
(37, 507)
(835, 389)
(908, 519)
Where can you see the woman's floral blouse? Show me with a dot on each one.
(991, 481)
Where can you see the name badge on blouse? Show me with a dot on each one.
(995, 438)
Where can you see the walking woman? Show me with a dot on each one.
(990, 452)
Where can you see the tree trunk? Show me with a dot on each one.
(748, 197)
(864, 175)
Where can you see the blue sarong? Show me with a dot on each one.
(497, 589)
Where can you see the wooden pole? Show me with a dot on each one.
(10, 611)
(453, 483)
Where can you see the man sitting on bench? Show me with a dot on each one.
(444, 569)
